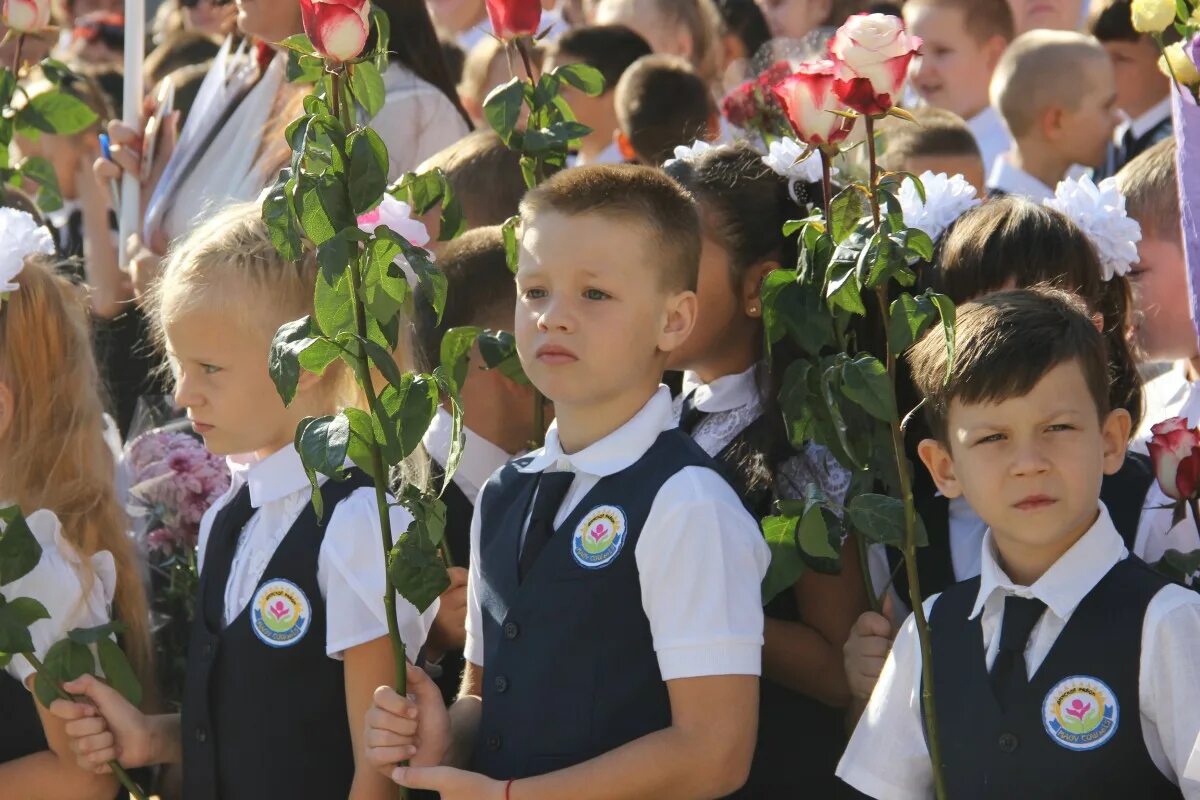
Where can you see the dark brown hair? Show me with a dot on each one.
(662, 103)
(1112, 21)
(1151, 190)
(1005, 343)
(937, 133)
(485, 175)
(642, 196)
(1011, 242)
(609, 48)
(479, 291)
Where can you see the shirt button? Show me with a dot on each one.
(201, 735)
(511, 630)
(1008, 743)
(493, 742)
(501, 684)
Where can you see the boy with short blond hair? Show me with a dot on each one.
(616, 574)
(1069, 667)
(1056, 92)
(1143, 92)
(939, 142)
(962, 44)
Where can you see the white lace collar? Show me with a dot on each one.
(726, 393)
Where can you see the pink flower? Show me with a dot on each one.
(872, 52)
(396, 215)
(26, 16)
(1175, 454)
(338, 29)
(809, 101)
(511, 18)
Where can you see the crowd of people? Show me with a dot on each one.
(604, 634)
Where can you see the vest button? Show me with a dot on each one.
(511, 630)
(1008, 743)
(501, 684)
(201, 735)
(493, 742)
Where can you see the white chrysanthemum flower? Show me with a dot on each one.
(783, 158)
(1099, 211)
(689, 153)
(22, 236)
(946, 199)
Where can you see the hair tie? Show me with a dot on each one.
(1099, 211)
(689, 154)
(22, 236)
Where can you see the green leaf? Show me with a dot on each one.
(64, 661)
(279, 214)
(362, 439)
(385, 288)
(786, 565)
(322, 444)
(118, 672)
(845, 210)
(455, 354)
(15, 618)
(910, 318)
(299, 43)
(945, 307)
(323, 207)
(294, 347)
(56, 112)
(1179, 566)
(366, 84)
(844, 291)
(502, 108)
(367, 177)
(426, 190)
(813, 536)
(304, 68)
(336, 253)
(458, 439)
(416, 405)
(583, 77)
(431, 279)
(880, 519)
(919, 244)
(19, 550)
(334, 306)
(95, 634)
(499, 351)
(794, 402)
(384, 361)
(415, 570)
(866, 382)
(512, 245)
(41, 172)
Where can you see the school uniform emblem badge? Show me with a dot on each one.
(1081, 713)
(280, 613)
(599, 537)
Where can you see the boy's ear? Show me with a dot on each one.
(1051, 123)
(940, 464)
(625, 146)
(1115, 431)
(752, 285)
(679, 320)
(992, 49)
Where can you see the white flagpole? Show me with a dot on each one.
(135, 42)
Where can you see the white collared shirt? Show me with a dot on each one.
(700, 556)
(887, 756)
(991, 135)
(479, 460)
(1145, 122)
(350, 564)
(1011, 179)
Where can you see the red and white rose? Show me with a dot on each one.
(338, 29)
(872, 52)
(809, 102)
(1175, 454)
(26, 16)
(512, 18)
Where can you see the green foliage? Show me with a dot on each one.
(19, 550)
(427, 190)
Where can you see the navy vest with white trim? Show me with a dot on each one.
(571, 671)
(991, 753)
(251, 711)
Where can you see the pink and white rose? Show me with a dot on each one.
(338, 29)
(872, 52)
(808, 100)
(1175, 454)
(26, 16)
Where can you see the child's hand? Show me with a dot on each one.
(449, 629)
(106, 729)
(867, 649)
(400, 728)
(450, 783)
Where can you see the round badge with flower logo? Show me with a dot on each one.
(280, 613)
(599, 537)
(1081, 713)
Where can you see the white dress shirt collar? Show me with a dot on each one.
(480, 458)
(1011, 179)
(725, 393)
(1142, 124)
(272, 478)
(616, 451)
(1071, 577)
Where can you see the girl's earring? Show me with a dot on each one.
(752, 311)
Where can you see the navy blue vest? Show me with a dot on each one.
(990, 753)
(252, 711)
(21, 734)
(571, 671)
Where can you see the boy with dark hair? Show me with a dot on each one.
(1068, 668)
(1143, 92)
(963, 41)
(662, 104)
(497, 419)
(939, 142)
(610, 49)
(614, 600)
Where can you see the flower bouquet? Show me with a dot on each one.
(174, 480)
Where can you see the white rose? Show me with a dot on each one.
(875, 47)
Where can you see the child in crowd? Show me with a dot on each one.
(290, 624)
(487, 66)
(486, 178)
(729, 408)
(1143, 92)
(690, 29)
(962, 41)
(627, 592)
(497, 418)
(939, 142)
(1055, 15)
(662, 104)
(56, 465)
(1056, 92)
(745, 34)
(466, 22)
(610, 49)
(1068, 668)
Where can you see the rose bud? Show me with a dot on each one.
(872, 52)
(26, 16)
(512, 18)
(338, 29)
(808, 101)
(1172, 444)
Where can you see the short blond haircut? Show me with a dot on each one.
(1041, 69)
(1152, 191)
